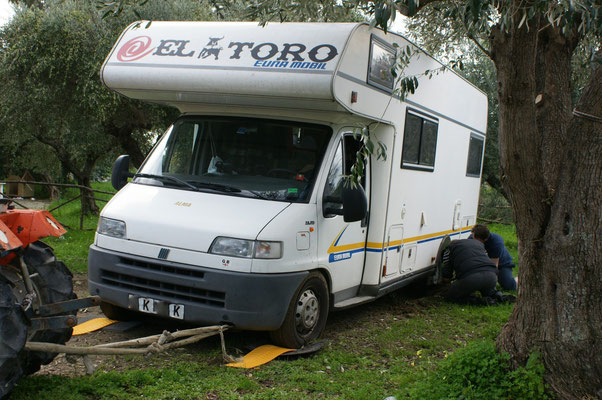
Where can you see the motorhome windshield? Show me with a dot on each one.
(268, 159)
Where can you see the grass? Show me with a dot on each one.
(374, 351)
(399, 346)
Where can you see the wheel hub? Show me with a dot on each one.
(308, 311)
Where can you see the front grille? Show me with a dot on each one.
(163, 289)
(162, 268)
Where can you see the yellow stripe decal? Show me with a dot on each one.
(376, 246)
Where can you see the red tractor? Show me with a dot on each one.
(37, 302)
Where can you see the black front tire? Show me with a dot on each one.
(13, 333)
(307, 314)
(53, 283)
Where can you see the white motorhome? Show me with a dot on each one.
(239, 214)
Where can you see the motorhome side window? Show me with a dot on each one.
(419, 142)
(382, 60)
(259, 158)
(475, 156)
(344, 159)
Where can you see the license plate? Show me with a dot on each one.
(152, 306)
(176, 311)
(147, 305)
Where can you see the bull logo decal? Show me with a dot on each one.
(212, 48)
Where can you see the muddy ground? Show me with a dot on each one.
(342, 327)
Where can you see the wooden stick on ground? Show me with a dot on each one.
(154, 344)
(144, 341)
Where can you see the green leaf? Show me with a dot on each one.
(475, 8)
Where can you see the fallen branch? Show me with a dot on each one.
(154, 344)
(154, 338)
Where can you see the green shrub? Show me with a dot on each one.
(478, 371)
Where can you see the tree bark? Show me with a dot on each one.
(88, 204)
(82, 174)
(122, 126)
(551, 170)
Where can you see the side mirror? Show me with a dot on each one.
(355, 204)
(121, 172)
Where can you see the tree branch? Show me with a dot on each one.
(403, 9)
(478, 44)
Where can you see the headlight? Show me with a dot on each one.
(111, 227)
(232, 247)
(246, 248)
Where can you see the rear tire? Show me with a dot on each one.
(437, 275)
(307, 314)
(53, 284)
(13, 333)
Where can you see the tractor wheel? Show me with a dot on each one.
(13, 333)
(306, 316)
(53, 283)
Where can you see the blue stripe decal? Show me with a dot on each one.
(340, 236)
(439, 237)
(346, 255)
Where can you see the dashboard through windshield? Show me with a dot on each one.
(268, 159)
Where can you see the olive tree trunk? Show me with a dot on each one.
(550, 155)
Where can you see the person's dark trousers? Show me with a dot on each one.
(505, 277)
(461, 290)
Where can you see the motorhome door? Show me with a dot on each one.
(342, 245)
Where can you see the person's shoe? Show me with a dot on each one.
(508, 298)
(490, 301)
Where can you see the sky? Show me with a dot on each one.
(6, 10)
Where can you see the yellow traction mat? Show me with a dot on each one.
(92, 325)
(259, 356)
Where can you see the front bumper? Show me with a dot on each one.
(210, 296)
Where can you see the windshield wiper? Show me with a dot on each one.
(196, 185)
(215, 186)
(169, 178)
(227, 188)
(257, 194)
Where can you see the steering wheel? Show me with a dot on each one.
(284, 173)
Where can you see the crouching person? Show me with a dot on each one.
(474, 271)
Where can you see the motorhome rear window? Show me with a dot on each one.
(475, 156)
(382, 59)
(419, 142)
(251, 157)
